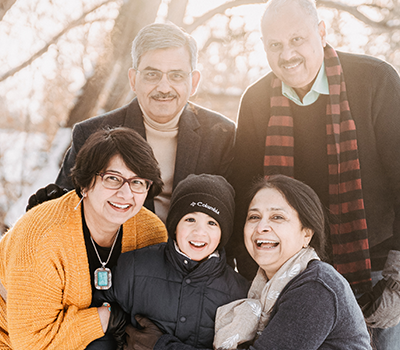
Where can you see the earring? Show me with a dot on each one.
(83, 196)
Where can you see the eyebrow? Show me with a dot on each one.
(172, 70)
(150, 68)
(113, 171)
(270, 209)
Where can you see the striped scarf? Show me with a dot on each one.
(349, 235)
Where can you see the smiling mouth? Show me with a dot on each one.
(120, 206)
(161, 98)
(266, 244)
(197, 244)
(291, 65)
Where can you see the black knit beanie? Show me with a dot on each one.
(209, 194)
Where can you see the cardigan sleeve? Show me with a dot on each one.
(38, 315)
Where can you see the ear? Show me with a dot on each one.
(132, 78)
(322, 32)
(195, 81)
(308, 234)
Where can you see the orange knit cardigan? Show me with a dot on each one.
(45, 272)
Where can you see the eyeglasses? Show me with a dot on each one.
(153, 76)
(115, 182)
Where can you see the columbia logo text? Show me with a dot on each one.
(205, 205)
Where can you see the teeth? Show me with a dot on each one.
(164, 99)
(197, 244)
(292, 66)
(119, 206)
(260, 242)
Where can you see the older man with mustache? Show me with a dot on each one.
(186, 138)
(331, 120)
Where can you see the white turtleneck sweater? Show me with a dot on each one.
(163, 139)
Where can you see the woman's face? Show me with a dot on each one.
(107, 209)
(273, 232)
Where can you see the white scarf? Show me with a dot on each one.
(243, 320)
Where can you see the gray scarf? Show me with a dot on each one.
(244, 320)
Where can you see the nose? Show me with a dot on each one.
(125, 191)
(264, 226)
(287, 53)
(164, 85)
(200, 228)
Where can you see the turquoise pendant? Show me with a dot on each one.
(102, 278)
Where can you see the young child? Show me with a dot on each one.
(179, 285)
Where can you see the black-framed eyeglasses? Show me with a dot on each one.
(115, 182)
(154, 76)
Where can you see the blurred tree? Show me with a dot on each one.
(5, 5)
(229, 68)
(76, 60)
(113, 59)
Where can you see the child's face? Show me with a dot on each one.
(198, 235)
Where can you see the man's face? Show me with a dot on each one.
(294, 46)
(163, 100)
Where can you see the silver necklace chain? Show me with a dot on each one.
(112, 247)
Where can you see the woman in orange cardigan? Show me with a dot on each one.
(59, 252)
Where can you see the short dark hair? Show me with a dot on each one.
(95, 155)
(305, 201)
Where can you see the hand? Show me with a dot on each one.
(117, 324)
(44, 194)
(142, 339)
(104, 314)
(384, 310)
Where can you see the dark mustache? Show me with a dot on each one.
(290, 62)
(162, 95)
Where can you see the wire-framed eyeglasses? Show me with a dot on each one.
(115, 182)
(154, 76)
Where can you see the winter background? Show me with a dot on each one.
(51, 49)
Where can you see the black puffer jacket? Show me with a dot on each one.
(179, 295)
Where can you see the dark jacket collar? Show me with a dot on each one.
(196, 271)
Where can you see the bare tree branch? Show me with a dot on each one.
(5, 5)
(354, 11)
(176, 11)
(220, 9)
(77, 22)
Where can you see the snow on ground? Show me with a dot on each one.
(26, 165)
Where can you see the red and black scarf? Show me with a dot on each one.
(349, 236)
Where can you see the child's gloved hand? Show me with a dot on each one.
(44, 194)
(142, 339)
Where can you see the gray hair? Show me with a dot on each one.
(162, 36)
(308, 6)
